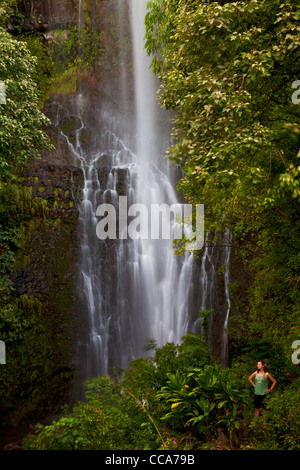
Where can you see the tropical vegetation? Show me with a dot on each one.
(228, 71)
(178, 399)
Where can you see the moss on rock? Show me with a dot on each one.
(37, 329)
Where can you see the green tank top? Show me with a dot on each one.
(261, 383)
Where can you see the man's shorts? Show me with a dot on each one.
(259, 401)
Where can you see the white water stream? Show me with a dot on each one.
(132, 289)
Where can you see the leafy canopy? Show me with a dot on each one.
(227, 70)
(21, 121)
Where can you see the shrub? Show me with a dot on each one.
(110, 420)
(206, 400)
(281, 431)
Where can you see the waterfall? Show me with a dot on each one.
(227, 259)
(215, 294)
(166, 288)
(130, 288)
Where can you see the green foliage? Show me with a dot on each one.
(204, 315)
(36, 340)
(204, 396)
(126, 414)
(281, 431)
(7, 9)
(15, 207)
(21, 121)
(272, 354)
(74, 53)
(110, 420)
(226, 69)
(11, 321)
(218, 70)
(44, 69)
(32, 364)
(188, 409)
(221, 68)
(147, 375)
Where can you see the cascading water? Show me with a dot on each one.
(131, 289)
(227, 256)
(166, 288)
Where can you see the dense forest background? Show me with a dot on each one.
(229, 73)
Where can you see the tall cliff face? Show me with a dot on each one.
(44, 198)
(37, 378)
(46, 265)
(45, 270)
(46, 15)
(43, 15)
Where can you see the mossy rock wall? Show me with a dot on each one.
(37, 377)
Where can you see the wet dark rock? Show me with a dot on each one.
(23, 278)
(43, 15)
